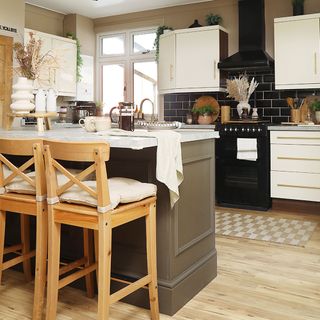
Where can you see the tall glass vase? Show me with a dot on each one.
(22, 96)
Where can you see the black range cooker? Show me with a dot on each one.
(242, 182)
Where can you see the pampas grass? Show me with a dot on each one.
(240, 89)
(30, 58)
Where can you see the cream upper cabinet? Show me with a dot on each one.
(188, 59)
(297, 52)
(60, 73)
(295, 165)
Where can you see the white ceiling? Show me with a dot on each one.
(104, 8)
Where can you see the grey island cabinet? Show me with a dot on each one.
(187, 258)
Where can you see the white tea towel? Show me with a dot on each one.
(247, 149)
(169, 160)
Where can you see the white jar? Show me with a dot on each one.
(52, 100)
(40, 100)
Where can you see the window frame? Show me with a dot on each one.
(128, 59)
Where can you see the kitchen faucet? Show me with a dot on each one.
(153, 118)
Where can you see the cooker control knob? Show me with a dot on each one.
(235, 129)
(248, 129)
(230, 129)
(259, 130)
(225, 129)
(243, 129)
(253, 130)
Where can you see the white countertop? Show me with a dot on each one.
(284, 127)
(129, 142)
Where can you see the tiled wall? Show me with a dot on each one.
(271, 103)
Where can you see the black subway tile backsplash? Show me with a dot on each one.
(271, 103)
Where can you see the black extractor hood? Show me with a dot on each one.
(252, 54)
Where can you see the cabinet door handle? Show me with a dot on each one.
(214, 69)
(292, 158)
(297, 186)
(171, 72)
(315, 63)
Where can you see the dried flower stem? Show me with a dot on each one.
(240, 89)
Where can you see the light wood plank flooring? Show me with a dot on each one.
(256, 280)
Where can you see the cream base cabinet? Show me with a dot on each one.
(297, 52)
(60, 73)
(295, 165)
(188, 59)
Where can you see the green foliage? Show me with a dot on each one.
(213, 19)
(159, 32)
(79, 58)
(206, 109)
(315, 105)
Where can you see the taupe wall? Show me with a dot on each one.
(12, 15)
(83, 28)
(44, 20)
(183, 16)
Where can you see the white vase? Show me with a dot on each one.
(40, 100)
(241, 105)
(22, 96)
(52, 100)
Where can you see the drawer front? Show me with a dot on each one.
(295, 137)
(295, 185)
(298, 158)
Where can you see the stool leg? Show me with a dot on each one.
(2, 236)
(88, 253)
(54, 231)
(25, 239)
(41, 261)
(104, 266)
(96, 252)
(151, 237)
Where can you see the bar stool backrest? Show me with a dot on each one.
(95, 152)
(33, 150)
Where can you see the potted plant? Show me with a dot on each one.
(315, 106)
(298, 7)
(204, 114)
(159, 32)
(70, 35)
(213, 19)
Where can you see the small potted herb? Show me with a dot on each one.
(204, 114)
(315, 106)
(213, 19)
(298, 7)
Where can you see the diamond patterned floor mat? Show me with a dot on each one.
(259, 227)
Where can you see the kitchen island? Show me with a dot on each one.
(187, 259)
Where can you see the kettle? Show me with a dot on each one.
(52, 100)
(40, 100)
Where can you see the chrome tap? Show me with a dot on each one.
(153, 118)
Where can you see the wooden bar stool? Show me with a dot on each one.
(25, 193)
(99, 205)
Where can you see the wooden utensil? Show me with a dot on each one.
(290, 102)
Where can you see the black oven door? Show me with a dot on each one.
(242, 183)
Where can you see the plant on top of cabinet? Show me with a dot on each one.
(79, 58)
(213, 19)
(159, 32)
(298, 7)
(315, 106)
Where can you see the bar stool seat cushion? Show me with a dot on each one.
(121, 190)
(17, 184)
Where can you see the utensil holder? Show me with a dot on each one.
(295, 115)
(225, 114)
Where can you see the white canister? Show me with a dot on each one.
(52, 100)
(40, 100)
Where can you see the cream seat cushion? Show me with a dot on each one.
(121, 190)
(17, 184)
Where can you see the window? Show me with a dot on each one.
(127, 70)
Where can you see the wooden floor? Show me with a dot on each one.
(256, 280)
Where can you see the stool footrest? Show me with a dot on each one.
(77, 275)
(12, 262)
(130, 289)
(72, 265)
(13, 249)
